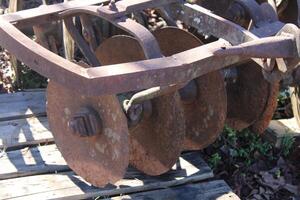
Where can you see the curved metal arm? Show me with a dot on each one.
(143, 35)
(44, 14)
(112, 79)
(83, 46)
(121, 8)
(119, 78)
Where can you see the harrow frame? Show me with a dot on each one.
(157, 70)
(99, 132)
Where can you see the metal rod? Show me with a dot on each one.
(83, 46)
(134, 76)
(269, 47)
(44, 14)
(121, 8)
(151, 93)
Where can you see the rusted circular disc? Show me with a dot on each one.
(100, 159)
(262, 123)
(250, 97)
(205, 116)
(156, 142)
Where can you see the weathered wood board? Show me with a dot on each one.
(31, 171)
(280, 128)
(22, 104)
(190, 168)
(24, 132)
(208, 190)
(31, 161)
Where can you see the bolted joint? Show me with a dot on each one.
(112, 5)
(136, 112)
(86, 122)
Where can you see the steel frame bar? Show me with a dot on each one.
(121, 8)
(113, 79)
(208, 23)
(83, 46)
(45, 14)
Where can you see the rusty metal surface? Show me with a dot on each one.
(44, 14)
(126, 77)
(205, 115)
(262, 123)
(86, 122)
(268, 47)
(150, 73)
(119, 49)
(143, 35)
(91, 131)
(208, 23)
(198, 17)
(156, 141)
(121, 8)
(82, 44)
(247, 96)
(99, 159)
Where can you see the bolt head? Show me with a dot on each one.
(134, 114)
(85, 123)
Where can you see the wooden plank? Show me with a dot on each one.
(201, 191)
(190, 168)
(16, 134)
(47, 159)
(22, 105)
(32, 161)
(280, 128)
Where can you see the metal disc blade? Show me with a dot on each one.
(205, 116)
(156, 142)
(99, 159)
(263, 122)
(249, 96)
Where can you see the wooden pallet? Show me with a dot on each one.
(278, 129)
(31, 167)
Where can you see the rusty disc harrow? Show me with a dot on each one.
(250, 98)
(104, 117)
(205, 113)
(156, 141)
(100, 158)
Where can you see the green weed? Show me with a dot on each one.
(214, 160)
(287, 144)
(245, 145)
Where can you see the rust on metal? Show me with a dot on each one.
(121, 8)
(82, 44)
(156, 141)
(262, 123)
(268, 47)
(126, 77)
(86, 122)
(204, 114)
(168, 82)
(101, 158)
(247, 96)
